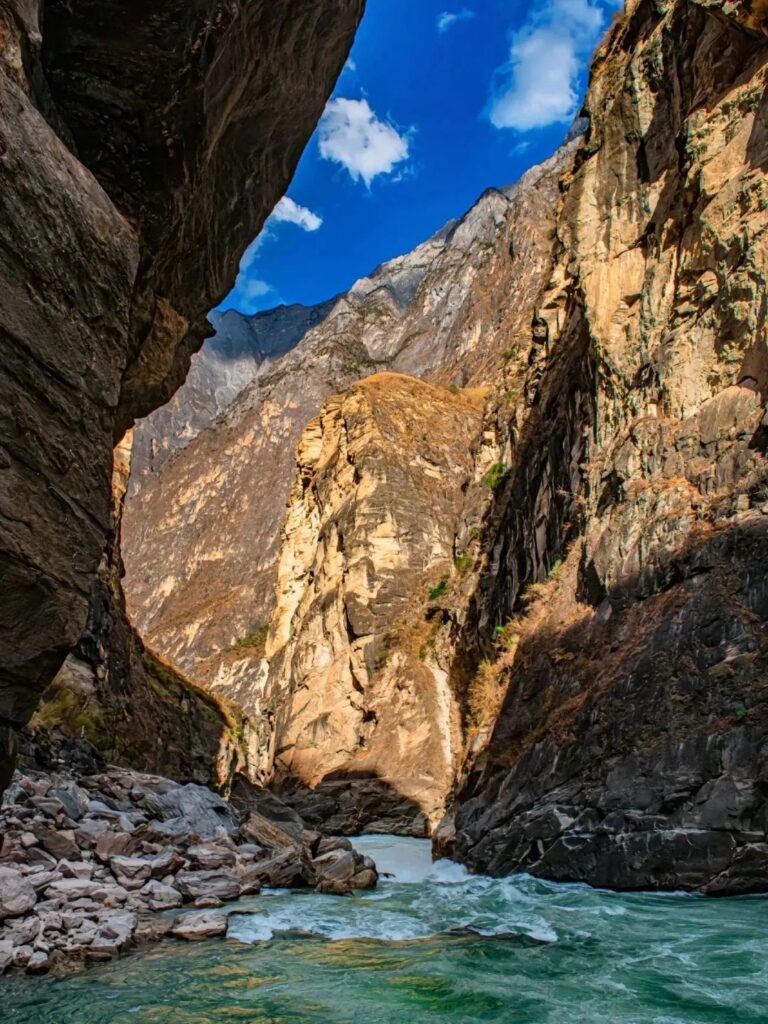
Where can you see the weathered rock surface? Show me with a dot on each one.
(201, 536)
(144, 845)
(370, 529)
(117, 149)
(630, 748)
(242, 349)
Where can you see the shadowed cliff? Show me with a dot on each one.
(142, 149)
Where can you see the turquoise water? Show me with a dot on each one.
(434, 944)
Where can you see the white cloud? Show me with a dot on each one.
(539, 84)
(351, 134)
(290, 212)
(349, 65)
(448, 19)
(253, 288)
(250, 289)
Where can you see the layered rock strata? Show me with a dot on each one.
(629, 750)
(120, 131)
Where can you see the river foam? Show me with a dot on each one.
(434, 945)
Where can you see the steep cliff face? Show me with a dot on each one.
(135, 709)
(241, 349)
(202, 534)
(121, 129)
(356, 697)
(630, 748)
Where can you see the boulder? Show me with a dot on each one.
(207, 856)
(58, 843)
(76, 869)
(208, 883)
(130, 872)
(199, 810)
(73, 799)
(17, 894)
(6, 954)
(195, 926)
(114, 844)
(266, 833)
(290, 868)
(151, 928)
(90, 831)
(160, 897)
(344, 870)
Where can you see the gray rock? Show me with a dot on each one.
(160, 897)
(17, 895)
(73, 799)
(196, 926)
(208, 883)
(199, 810)
(130, 872)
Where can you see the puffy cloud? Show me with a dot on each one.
(539, 85)
(253, 288)
(448, 19)
(249, 289)
(289, 211)
(352, 135)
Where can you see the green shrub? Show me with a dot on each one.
(463, 563)
(439, 590)
(556, 567)
(497, 475)
(256, 639)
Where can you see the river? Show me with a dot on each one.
(434, 944)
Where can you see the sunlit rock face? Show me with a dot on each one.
(142, 151)
(630, 748)
(372, 520)
(202, 532)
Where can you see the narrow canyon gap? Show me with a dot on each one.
(141, 149)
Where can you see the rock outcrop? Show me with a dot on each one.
(202, 534)
(141, 150)
(95, 863)
(630, 748)
(353, 689)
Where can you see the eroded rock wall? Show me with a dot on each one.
(141, 149)
(630, 747)
(202, 534)
(356, 699)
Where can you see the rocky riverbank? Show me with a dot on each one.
(95, 864)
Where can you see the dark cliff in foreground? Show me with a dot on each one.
(122, 128)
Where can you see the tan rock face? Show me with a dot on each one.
(116, 152)
(371, 521)
(628, 749)
(202, 532)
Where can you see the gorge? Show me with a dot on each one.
(469, 557)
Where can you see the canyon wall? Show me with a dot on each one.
(202, 530)
(630, 747)
(560, 598)
(141, 149)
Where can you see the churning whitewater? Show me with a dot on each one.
(434, 943)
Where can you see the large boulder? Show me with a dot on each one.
(17, 894)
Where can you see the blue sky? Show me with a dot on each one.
(439, 100)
